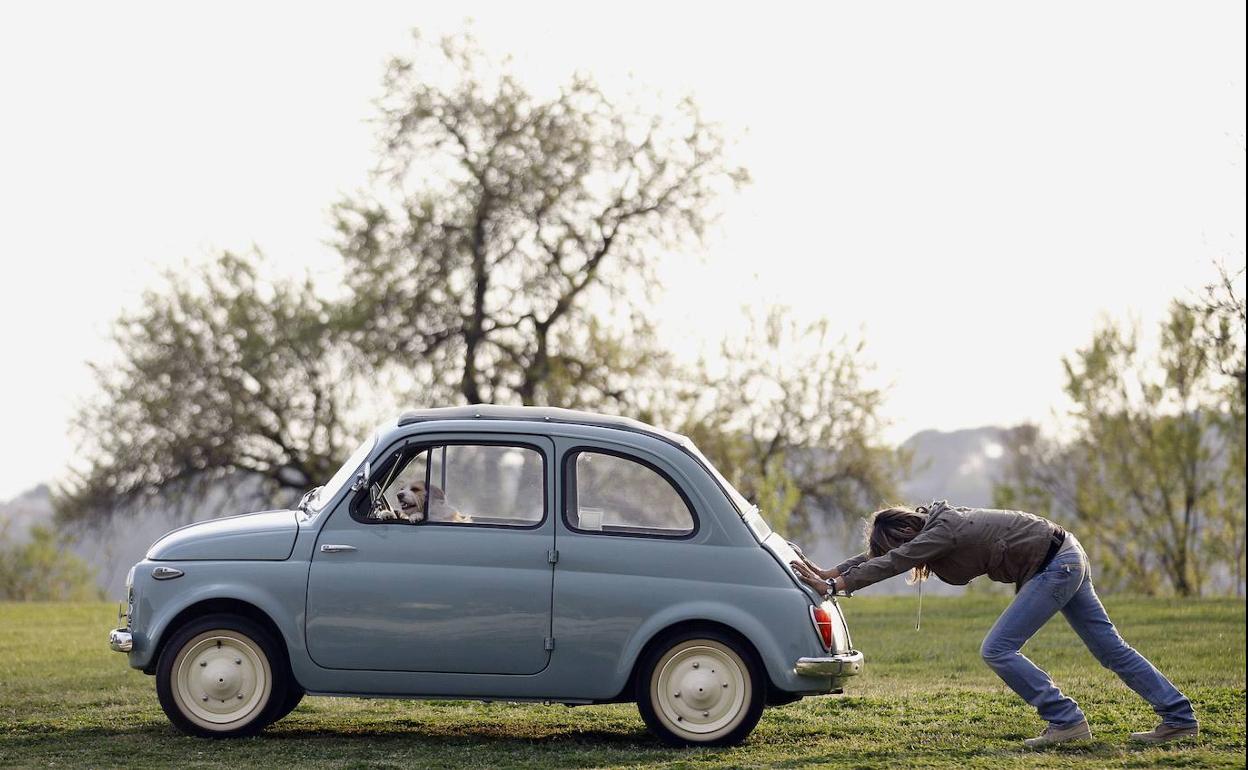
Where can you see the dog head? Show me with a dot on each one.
(412, 499)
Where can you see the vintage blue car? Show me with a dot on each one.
(492, 553)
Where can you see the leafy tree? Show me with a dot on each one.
(504, 255)
(43, 569)
(509, 234)
(1149, 472)
(788, 418)
(1222, 335)
(497, 260)
(221, 374)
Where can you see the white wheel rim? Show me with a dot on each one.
(700, 689)
(221, 679)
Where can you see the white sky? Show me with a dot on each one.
(970, 185)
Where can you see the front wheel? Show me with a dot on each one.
(294, 695)
(700, 688)
(221, 676)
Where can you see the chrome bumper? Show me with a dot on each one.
(120, 640)
(841, 665)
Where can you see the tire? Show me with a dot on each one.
(294, 694)
(700, 688)
(222, 676)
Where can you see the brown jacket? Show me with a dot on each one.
(960, 544)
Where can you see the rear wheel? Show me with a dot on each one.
(222, 676)
(700, 688)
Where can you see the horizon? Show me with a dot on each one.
(972, 220)
(992, 451)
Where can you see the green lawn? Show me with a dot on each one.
(926, 700)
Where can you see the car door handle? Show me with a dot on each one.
(327, 548)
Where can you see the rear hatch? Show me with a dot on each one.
(785, 554)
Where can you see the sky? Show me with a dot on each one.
(971, 187)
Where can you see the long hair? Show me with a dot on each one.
(896, 526)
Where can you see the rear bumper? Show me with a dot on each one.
(839, 666)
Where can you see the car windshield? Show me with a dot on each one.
(323, 495)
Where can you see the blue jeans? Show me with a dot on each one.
(1066, 585)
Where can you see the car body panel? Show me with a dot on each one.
(275, 588)
(264, 536)
(430, 628)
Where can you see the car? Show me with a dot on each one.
(491, 553)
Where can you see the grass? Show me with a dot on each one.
(925, 700)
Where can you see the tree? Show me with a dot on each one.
(791, 423)
(43, 569)
(499, 259)
(221, 374)
(501, 253)
(1222, 336)
(1148, 472)
(1222, 332)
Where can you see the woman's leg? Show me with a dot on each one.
(1040, 599)
(1088, 618)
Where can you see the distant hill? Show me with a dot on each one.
(960, 466)
(112, 549)
(25, 511)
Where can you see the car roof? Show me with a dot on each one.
(544, 414)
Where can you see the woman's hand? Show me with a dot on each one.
(826, 574)
(810, 576)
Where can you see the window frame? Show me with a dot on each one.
(415, 447)
(570, 494)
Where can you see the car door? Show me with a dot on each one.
(467, 589)
(628, 549)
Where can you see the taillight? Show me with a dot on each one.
(823, 625)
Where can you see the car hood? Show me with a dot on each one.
(268, 536)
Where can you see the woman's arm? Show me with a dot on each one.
(846, 565)
(930, 544)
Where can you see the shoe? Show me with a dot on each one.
(1164, 733)
(1054, 735)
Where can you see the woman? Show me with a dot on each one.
(1051, 573)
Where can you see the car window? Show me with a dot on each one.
(460, 485)
(610, 494)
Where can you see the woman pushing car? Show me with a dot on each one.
(1050, 571)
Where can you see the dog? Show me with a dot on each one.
(411, 497)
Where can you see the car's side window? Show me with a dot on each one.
(612, 494)
(457, 485)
